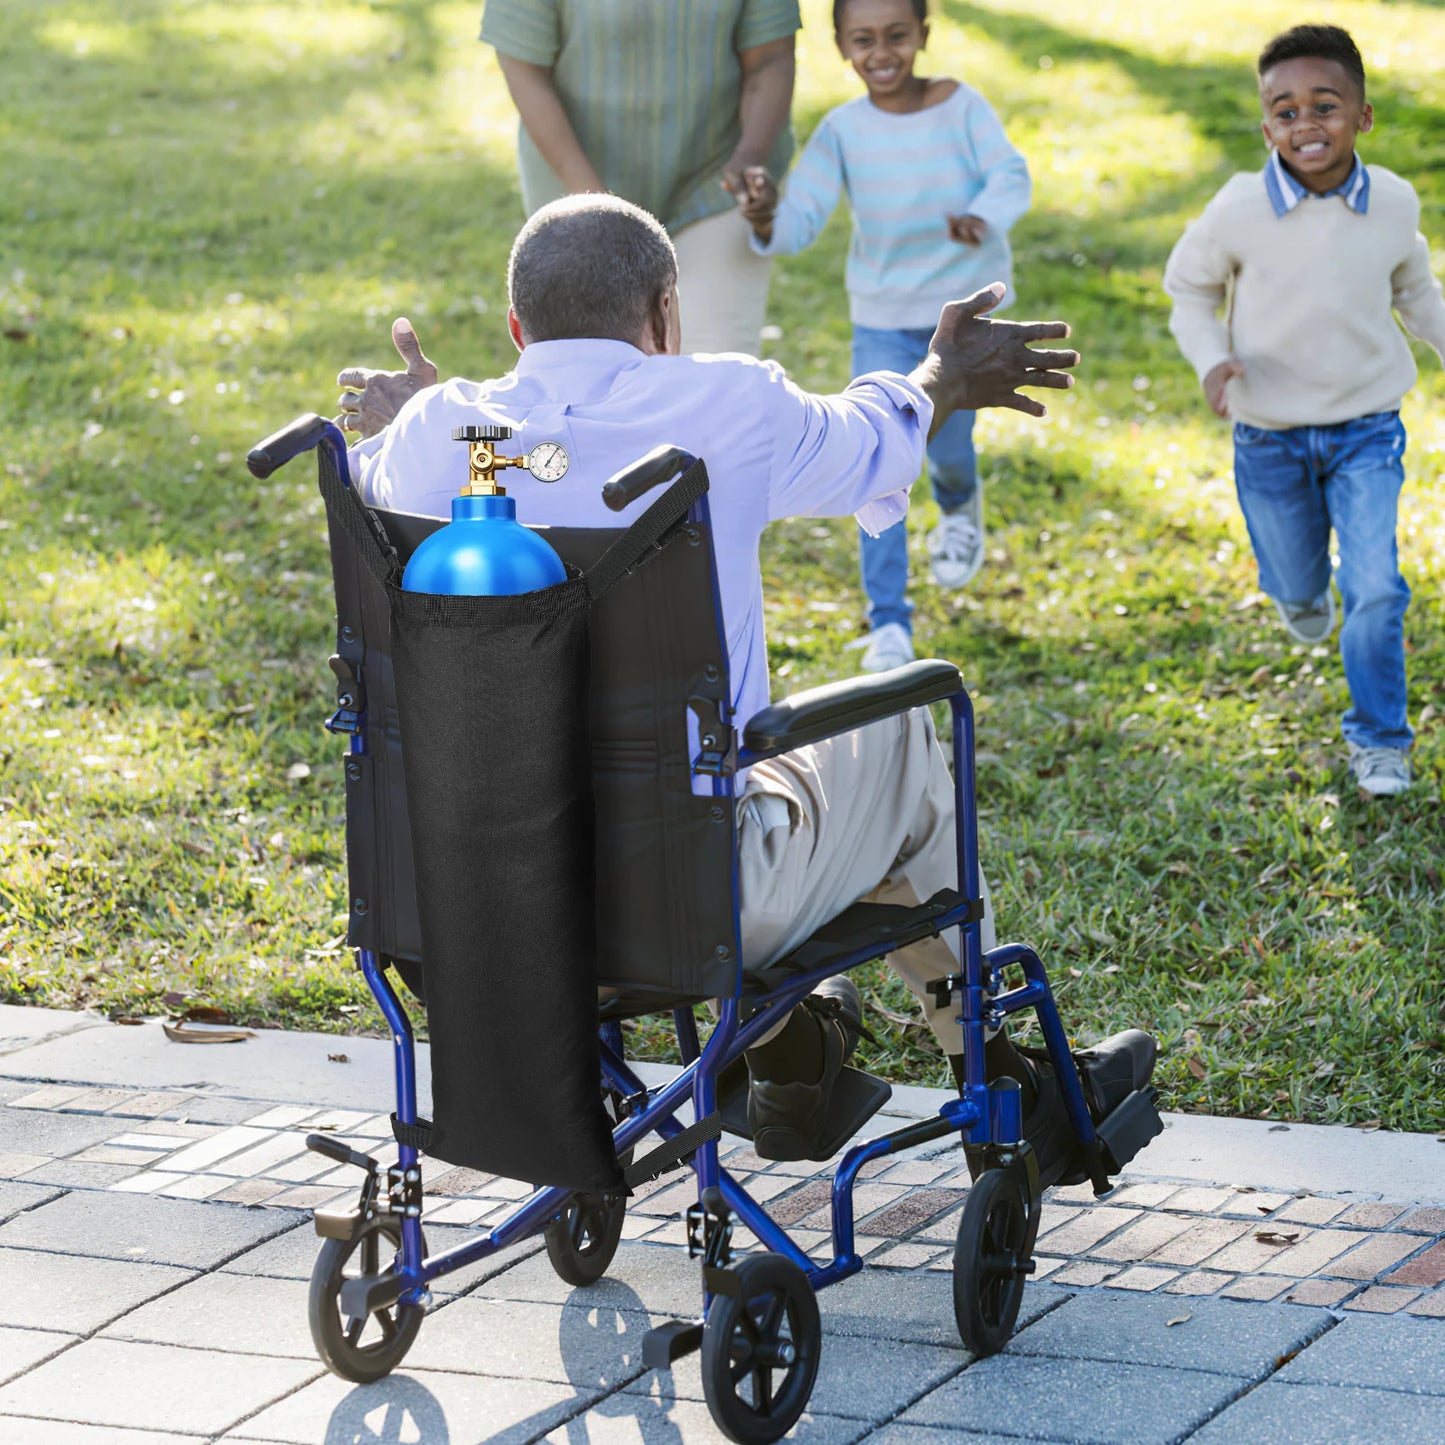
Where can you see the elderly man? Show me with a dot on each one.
(594, 314)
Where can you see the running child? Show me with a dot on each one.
(1313, 252)
(934, 186)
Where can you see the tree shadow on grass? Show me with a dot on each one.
(1218, 97)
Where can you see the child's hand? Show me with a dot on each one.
(1216, 381)
(968, 230)
(758, 201)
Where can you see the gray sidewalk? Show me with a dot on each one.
(1262, 1283)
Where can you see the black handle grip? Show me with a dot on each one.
(335, 1149)
(660, 465)
(278, 448)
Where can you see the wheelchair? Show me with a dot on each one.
(667, 917)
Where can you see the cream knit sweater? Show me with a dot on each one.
(1306, 300)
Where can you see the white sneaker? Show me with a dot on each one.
(884, 648)
(955, 545)
(1311, 621)
(1381, 771)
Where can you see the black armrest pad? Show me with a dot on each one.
(839, 707)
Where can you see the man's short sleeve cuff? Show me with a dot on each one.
(523, 29)
(764, 21)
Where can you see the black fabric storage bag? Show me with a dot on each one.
(492, 694)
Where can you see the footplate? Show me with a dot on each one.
(856, 1098)
(1129, 1128)
(669, 1342)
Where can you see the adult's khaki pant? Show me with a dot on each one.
(865, 816)
(722, 286)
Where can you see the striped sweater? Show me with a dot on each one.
(905, 175)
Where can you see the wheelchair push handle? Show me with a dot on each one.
(294, 438)
(660, 465)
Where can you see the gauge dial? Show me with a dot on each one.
(547, 461)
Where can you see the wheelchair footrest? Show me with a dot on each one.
(856, 1098)
(1125, 1131)
(670, 1342)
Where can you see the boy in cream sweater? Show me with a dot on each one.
(1311, 255)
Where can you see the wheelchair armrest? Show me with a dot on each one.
(839, 707)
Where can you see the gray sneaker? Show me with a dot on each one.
(1381, 771)
(1309, 622)
(955, 545)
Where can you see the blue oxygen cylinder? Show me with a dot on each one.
(484, 551)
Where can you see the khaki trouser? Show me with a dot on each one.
(722, 286)
(868, 816)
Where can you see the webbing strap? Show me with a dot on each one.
(416, 1136)
(672, 1153)
(648, 531)
(358, 521)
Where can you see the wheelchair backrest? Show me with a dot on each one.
(666, 919)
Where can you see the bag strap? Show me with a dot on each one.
(649, 531)
(359, 522)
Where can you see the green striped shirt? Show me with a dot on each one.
(651, 88)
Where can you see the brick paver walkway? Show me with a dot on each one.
(153, 1247)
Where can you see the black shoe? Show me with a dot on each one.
(1110, 1070)
(788, 1121)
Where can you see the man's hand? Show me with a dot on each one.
(973, 362)
(758, 202)
(735, 172)
(967, 230)
(1217, 380)
(371, 399)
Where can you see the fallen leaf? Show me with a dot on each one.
(1276, 1237)
(1279, 1128)
(297, 771)
(1369, 1126)
(124, 1019)
(1197, 1069)
(338, 1058)
(209, 1020)
(1179, 1320)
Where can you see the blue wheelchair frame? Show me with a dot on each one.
(984, 1114)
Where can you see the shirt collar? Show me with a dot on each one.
(1285, 192)
(591, 351)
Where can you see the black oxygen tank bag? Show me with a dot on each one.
(492, 696)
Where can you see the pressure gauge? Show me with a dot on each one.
(547, 461)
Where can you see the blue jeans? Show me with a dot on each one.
(952, 473)
(1294, 485)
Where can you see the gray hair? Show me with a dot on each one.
(589, 265)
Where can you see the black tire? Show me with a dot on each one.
(770, 1325)
(365, 1350)
(583, 1238)
(990, 1262)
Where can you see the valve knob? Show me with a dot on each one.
(481, 433)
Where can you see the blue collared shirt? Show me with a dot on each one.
(1285, 192)
(773, 450)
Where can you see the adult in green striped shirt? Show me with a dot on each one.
(665, 103)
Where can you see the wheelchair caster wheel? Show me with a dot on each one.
(991, 1261)
(583, 1239)
(760, 1350)
(366, 1349)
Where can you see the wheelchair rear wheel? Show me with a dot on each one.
(583, 1238)
(990, 1261)
(760, 1350)
(366, 1349)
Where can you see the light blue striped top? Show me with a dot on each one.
(905, 175)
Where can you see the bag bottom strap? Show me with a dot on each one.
(417, 1136)
(674, 1152)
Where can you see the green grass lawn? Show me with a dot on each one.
(209, 208)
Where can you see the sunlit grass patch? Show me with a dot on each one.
(210, 208)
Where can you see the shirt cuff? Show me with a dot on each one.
(877, 516)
